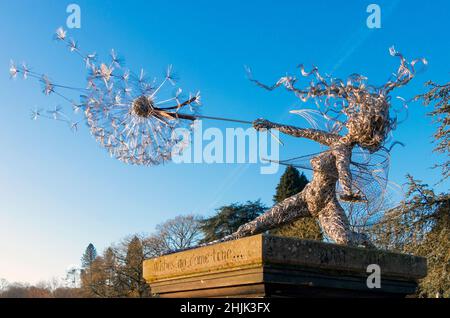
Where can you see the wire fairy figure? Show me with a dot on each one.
(359, 121)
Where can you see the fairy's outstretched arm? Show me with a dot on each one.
(320, 136)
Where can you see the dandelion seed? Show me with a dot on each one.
(89, 59)
(25, 71)
(48, 86)
(35, 114)
(141, 75)
(392, 51)
(118, 99)
(125, 76)
(127, 91)
(74, 127)
(61, 34)
(55, 113)
(105, 72)
(76, 108)
(170, 76)
(169, 71)
(13, 70)
(73, 46)
(197, 98)
(115, 60)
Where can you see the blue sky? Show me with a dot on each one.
(61, 191)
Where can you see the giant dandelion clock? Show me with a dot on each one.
(131, 115)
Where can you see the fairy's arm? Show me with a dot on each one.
(320, 136)
(343, 156)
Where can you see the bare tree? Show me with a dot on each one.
(178, 233)
(72, 279)
(3, 284)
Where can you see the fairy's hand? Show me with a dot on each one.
(262, 124)
(352, 197)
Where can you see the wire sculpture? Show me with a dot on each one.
(358, 117)
(130, 115)
(135, 119)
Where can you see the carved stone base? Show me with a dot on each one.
(270, 266)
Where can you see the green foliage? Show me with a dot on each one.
(292, 182)
(436, 248)
(420, 225)
(228, 219)
(439, 97)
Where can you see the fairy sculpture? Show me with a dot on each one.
(134, 118)
(366, 124)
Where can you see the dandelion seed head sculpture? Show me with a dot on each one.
(134, 118)
(131, 118)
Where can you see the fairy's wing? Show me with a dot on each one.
(369, 178)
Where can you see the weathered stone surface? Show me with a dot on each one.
(236, 254)
(263, 265)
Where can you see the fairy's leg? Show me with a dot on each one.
(285, 212)
(335, 224)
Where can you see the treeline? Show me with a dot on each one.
(51, 289)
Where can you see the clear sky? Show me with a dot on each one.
(59, 191)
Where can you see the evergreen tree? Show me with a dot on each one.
(292, 182)
(228, 219)
(438, 95)
(89, 256)
(132, 272)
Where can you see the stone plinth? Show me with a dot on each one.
(270, 266)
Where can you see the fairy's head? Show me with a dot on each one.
(369, 123)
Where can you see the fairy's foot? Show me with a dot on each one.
(361, 239)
